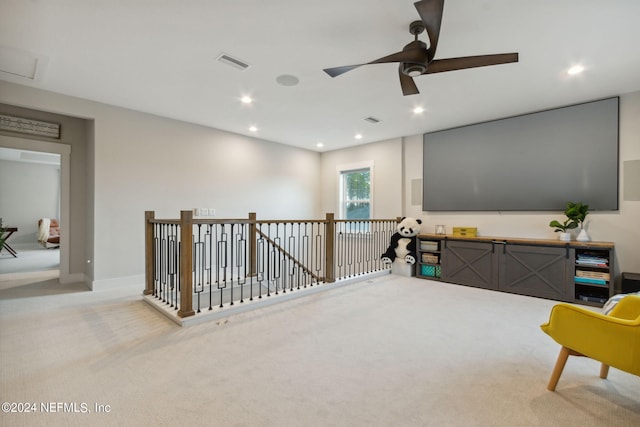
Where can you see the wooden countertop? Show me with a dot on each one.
(521, 241)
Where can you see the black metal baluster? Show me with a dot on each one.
(172, 253)
(260, 262)
(319, 250)
(299, 254)
(222, 263)
(209, 249)
(230, 262)
(241, 259)
(157, 250)
(292, 267)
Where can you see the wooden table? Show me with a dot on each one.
(6, 234)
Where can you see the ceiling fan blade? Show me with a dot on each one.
(334, 72)
(409, 55)
(451, 64)
(430, 12)
(408, 85)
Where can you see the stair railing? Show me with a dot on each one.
(225, 261)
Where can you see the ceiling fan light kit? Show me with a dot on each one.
(416, 59)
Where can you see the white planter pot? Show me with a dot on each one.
(564, 236)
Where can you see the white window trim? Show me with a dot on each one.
(340, 169)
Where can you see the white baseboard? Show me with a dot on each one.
(133, 282)
(73, 278)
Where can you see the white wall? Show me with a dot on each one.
(144, 162)
(28, 192)
(387, 176)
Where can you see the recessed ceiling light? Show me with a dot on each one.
(246, 100)
(319, 145)
(358, 136)
(576, 69)
(253, 129)
(418, 110)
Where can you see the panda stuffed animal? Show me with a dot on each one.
(403, 245)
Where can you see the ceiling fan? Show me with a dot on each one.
(416, 59)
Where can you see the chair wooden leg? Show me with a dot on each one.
(557, 370)
(604, 371)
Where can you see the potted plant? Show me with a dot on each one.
(575, 212)
(578, 211)
(563, 228)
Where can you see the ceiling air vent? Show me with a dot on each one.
(372, 120)
(234, 62)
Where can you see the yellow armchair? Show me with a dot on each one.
(613, 339)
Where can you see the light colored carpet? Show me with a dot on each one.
(392, 351)
(31, 257)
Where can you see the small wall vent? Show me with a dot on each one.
(233, 62)
(372, 120)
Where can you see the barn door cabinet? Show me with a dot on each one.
(471, 263)
(563, 271)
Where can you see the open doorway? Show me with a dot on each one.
(29, 196)
(62, 151)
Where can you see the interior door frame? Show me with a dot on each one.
(64, 151)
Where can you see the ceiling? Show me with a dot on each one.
(160, 57)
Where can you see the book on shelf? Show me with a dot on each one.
(593, 274)
(591, 298)
(590, 281)
(431, 259)
(428, 246)
(592, 260)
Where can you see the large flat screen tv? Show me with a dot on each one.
(532, 162)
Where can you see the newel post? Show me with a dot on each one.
(149, 256)
(253, 247)
(329, 273)
(186, 264)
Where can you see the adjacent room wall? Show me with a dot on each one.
(28, 192)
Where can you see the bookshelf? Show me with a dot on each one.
(592, 279)
(429, 257)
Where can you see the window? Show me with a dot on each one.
(355, 192)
